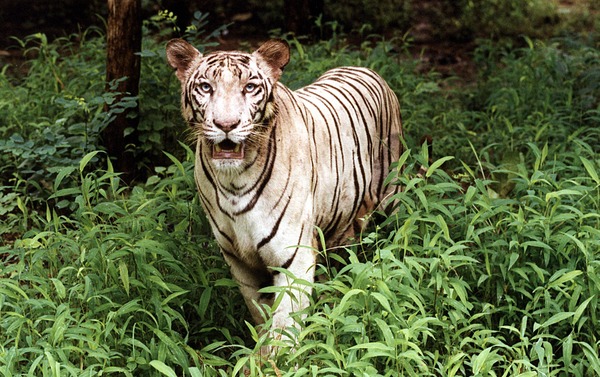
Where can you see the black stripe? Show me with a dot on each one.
(261, 273)
(209, 176)
(332, 227)
(356, 158)
(290, 260)
(334, 148)
(264, 176)
(268, 238)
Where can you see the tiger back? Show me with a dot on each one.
(273, 164)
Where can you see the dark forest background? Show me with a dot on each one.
(455, 20)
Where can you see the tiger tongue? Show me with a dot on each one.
(228, 150)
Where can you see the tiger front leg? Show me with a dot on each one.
(292, 288)
(251, 279)
(285, 290)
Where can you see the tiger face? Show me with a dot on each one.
(228, 97)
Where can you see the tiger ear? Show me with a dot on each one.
(276, 54)
(181, 55)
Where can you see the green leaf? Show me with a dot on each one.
(172, 296)
(579, 244)
(561, 277)
(60, 288)
(374, 348)
(471, 191)
(129, 307)
(9, 288)
(436, 164)
(342, 305)
(163, 368)
(382, 300)
(461, 292)
(482, 360)
(86, 159)
(422, 198)
(239, 366)
(109, 208)
(567, 348)
(250, 327)
(442, 224)
(387, 333)
(589, 166)
(580, 309)
(559, 193)
(592, 355)
(175, 161)
(65, 192)
(124, 275)
(205, 299)
(166, 339)
(62, 173)
(54, 365)
(514, 257)
(402, 160)
(558, 317)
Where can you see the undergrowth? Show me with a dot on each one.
(489, 265)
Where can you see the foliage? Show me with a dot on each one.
(488, 266)
(48, 118)
(496, 18)
(54, 115)
(381, 16)
(542, 93)
(121, 282)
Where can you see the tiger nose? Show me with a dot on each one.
(227, 125)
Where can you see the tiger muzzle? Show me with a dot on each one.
(228, 150)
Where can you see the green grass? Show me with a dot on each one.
(489, 265)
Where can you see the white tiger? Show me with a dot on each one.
(273, 164)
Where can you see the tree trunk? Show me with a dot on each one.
(123, 40)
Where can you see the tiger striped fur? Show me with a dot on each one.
(272, 164)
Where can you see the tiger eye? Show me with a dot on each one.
(206, 88)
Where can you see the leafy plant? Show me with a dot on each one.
(496, 19)
(113, 279)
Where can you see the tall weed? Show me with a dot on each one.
(115, 286)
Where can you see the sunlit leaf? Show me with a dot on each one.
(163, 368)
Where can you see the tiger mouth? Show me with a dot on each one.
(228, 150)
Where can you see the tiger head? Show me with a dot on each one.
(227, 97)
